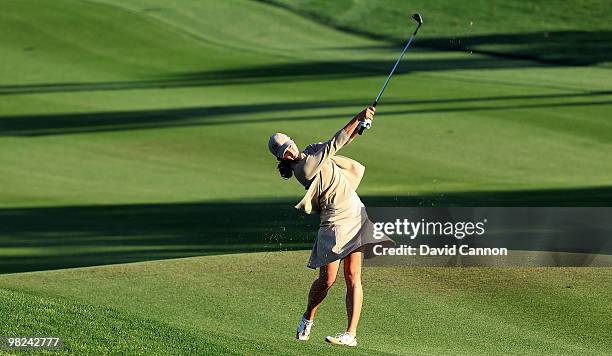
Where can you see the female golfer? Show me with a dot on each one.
(345, 232)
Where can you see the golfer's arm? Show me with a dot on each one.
(351, 129)
(315, 160)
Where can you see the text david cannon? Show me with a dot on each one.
(425, 250)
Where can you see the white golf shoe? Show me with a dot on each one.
(344, 339)
(303, 329)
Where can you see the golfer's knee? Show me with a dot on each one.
(326, 282)
(352, 278)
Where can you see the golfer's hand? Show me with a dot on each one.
(367, 113)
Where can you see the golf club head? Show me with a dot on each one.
(417, 17)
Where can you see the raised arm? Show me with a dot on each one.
(318, 154)
(352, 128)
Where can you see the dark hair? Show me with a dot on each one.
(285, 169)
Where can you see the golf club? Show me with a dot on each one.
(367, 123)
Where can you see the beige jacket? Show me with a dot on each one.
(331, 179)
(352, 170)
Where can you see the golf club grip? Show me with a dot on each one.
(363, 127)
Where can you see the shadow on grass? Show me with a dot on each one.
(299, 71)
(59, 124)
(551, 47)
(557, 47)
(501, 50)
(60, 237)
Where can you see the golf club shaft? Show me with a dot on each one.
(382, 90)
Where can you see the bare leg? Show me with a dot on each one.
(319, 288)
(354, 289)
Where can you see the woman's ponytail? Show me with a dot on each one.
(285, 169)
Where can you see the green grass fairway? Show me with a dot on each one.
(250, 303)
(136, 130)
(126, 143)
(176, 107)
